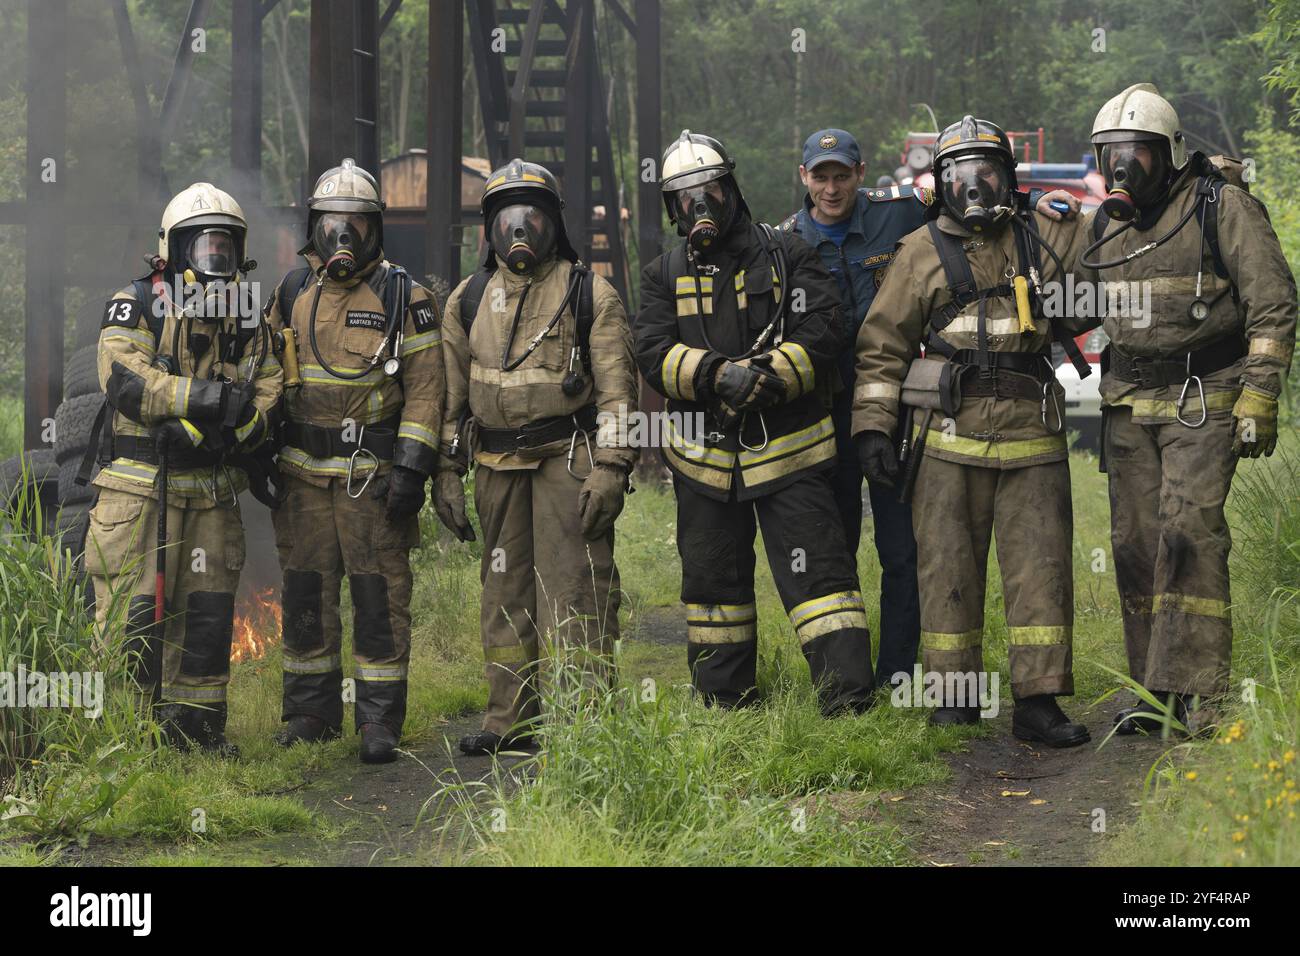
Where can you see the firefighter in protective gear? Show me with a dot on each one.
(188, 377)
(983, 435)
(1186, 389)
(360, 442)
(537, 349)
(738, 325)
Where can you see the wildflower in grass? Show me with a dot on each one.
(1191, 775)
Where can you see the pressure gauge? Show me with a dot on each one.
(393, 367)
(1199, 310)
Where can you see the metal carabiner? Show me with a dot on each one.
(573, 451)
(1056, 405)
(234, 495)
(352, 464)
(1182, 397)
(741, 434)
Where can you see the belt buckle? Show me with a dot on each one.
(1143, 369)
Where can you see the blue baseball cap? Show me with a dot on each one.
(831, 145)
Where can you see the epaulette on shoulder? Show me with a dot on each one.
(787, 224)
(886, 193)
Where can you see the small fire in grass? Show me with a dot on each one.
(257, 626)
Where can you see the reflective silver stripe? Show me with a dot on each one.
(210, 692)
(418, 343)
(802, 363)
(325, 466)
(381, 672)
(417, 432)
(1277, 348)
(315, 665)
(181, 402)
(520, 376)
(885, 390)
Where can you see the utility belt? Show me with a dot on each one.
(139, 448)
(544, 431)
(1147, 372)
(377, 438)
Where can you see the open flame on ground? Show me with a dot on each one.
(257, 625)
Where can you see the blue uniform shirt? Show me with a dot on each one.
(881, 217)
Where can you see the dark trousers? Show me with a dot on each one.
(900, 605)
(813, 575)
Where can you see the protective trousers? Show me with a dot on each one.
(542, 582)
(1168, 485)
(322, 533)
(955, 511)
(814, 576)
(204, 556)
(891, 524)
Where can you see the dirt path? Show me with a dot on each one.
(1012, 803)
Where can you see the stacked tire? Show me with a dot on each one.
(73, 422)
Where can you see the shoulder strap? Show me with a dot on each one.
(956, 269)
(585, 313)
(144, 291)
(290, 289)
(1207, 215)
(472, 298)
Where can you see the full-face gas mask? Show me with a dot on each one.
(976, 190)
(347, 241)
(1137, 176)
(523, 235)
(213, 253)
(705, 211)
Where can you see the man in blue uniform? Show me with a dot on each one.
(854, 229)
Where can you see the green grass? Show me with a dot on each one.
(1233, 800)
(11, 427)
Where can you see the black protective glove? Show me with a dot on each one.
(403, 489)
(237, 404)
(449, 503)
(177, 434)
(877, 457)
(745, 387)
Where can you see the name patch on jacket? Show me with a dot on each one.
(422, 316)
(366, 320)
(122, 312)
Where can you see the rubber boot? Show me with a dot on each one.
(954, 716)
(1144, 718)
(307, 729)
(378, 744)
(485, 742)
(1040, 719)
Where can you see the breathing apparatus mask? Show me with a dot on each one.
(1137, 176)
(976, 191)
(347, 241)
(523, 235)
(705, 211)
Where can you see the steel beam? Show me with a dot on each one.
(648, 132)
(246, 100)
(442, 183)
(577, 126)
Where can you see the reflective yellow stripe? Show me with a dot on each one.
(722, 634)
(679, 368)
(316, 665)
(192, 430)
(803, 438)
(885, 390)
(687, 302)
(1016, 450)
(1039, 636)
(314, 373)
(245, 430)
(697, 454)
(520, 376)
(686, 284)
(742, 300)
(823, 450)
(1188, 604)
(510, 654)
(724, 613)
(138, 336)
(1277, 348)
(381, 672)
(418, 343)
(1168, 408)
(828, 623)
(689, 468)
(827, 603)
(419, 433)
(968, 323)
(325, 466)
(941, 641)
(802, 364)
(181, 396)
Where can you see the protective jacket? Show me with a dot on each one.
(393, 418)
(697, 314)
